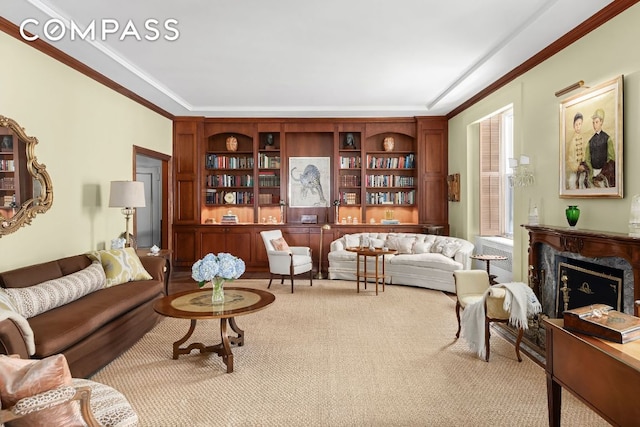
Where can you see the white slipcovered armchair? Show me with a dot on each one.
(289, 260)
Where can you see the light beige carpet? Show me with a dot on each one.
(327, 356)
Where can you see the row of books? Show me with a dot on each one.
(350, 180)
(268, 179)
(349, 198)
(389, 181)
(353, 162)
(215, 197)
(268, 199)
(391, 197)
(266, 161)
(7, 165)
(230, 180)
(8, 201)
(7, 183)
(217, 161)
(399, 162)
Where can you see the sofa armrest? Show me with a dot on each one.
(300, 250)
(155, 266)
(11, 339)
(463, 256)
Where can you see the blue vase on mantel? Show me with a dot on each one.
(573, 214)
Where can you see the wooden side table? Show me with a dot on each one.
(488, 259)
(377, 276)
(166, 254)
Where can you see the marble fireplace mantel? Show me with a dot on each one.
(587, 244)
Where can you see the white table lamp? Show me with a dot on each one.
(127, 195)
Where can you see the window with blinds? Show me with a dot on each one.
(496, 145)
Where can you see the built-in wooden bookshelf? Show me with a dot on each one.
(371, 185)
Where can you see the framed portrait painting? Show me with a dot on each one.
(309, 182)
(591, 142)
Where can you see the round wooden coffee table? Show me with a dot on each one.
(197, 304)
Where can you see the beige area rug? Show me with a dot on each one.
(328, 356)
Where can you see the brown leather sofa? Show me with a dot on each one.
(90, 331)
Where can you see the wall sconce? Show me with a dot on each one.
(576, 85)
(320, 275)
(522, 175)
(127, 195)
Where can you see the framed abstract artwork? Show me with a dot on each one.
(309, 182)
(591, 155)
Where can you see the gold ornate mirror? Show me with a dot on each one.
(25, 185)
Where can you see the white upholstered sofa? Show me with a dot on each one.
(423, 260)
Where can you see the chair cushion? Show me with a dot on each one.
(280, 244)
(404, 245)
(21, 378)
(466, 300)
(120, 265)
(36, 299)
(431, 260)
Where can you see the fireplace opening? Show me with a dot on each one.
(587, 283)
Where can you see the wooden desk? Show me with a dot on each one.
(376, 253)
(603, 374)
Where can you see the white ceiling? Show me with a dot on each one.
(295, 58)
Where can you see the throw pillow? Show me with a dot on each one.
(351, 241)
(280, 244)
(37, 299)
(422, 247)
(404, 245)
(120, 265)
(450, 248)
(21, 378)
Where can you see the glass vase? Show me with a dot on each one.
(573, 213)
(217, 293)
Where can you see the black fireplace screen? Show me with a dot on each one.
(588, 283)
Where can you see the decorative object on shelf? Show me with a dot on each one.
(282, 205)
(336, 208)
(388, 143)
(634, 216)
(349, 142)
(319, 275)
(230, 197)
(217, 269)
(573, 214)
(229, 218)
(453, 187)
(127, 195)
(269, 142)
(522, 175)
(591, 142)
(232, 143)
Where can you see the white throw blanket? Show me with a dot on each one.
(519, 301)
(8, 312)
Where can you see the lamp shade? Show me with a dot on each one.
(126, 194)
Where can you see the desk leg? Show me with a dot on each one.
(554, 401)
(376, 261)
(364, 259)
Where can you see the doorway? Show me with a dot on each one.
(152, 221)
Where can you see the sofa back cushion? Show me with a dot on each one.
(38, 273)
(37, 299)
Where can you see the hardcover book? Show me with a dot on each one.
(602, 321)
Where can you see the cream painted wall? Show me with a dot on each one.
(598, 57)
(86, 132)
